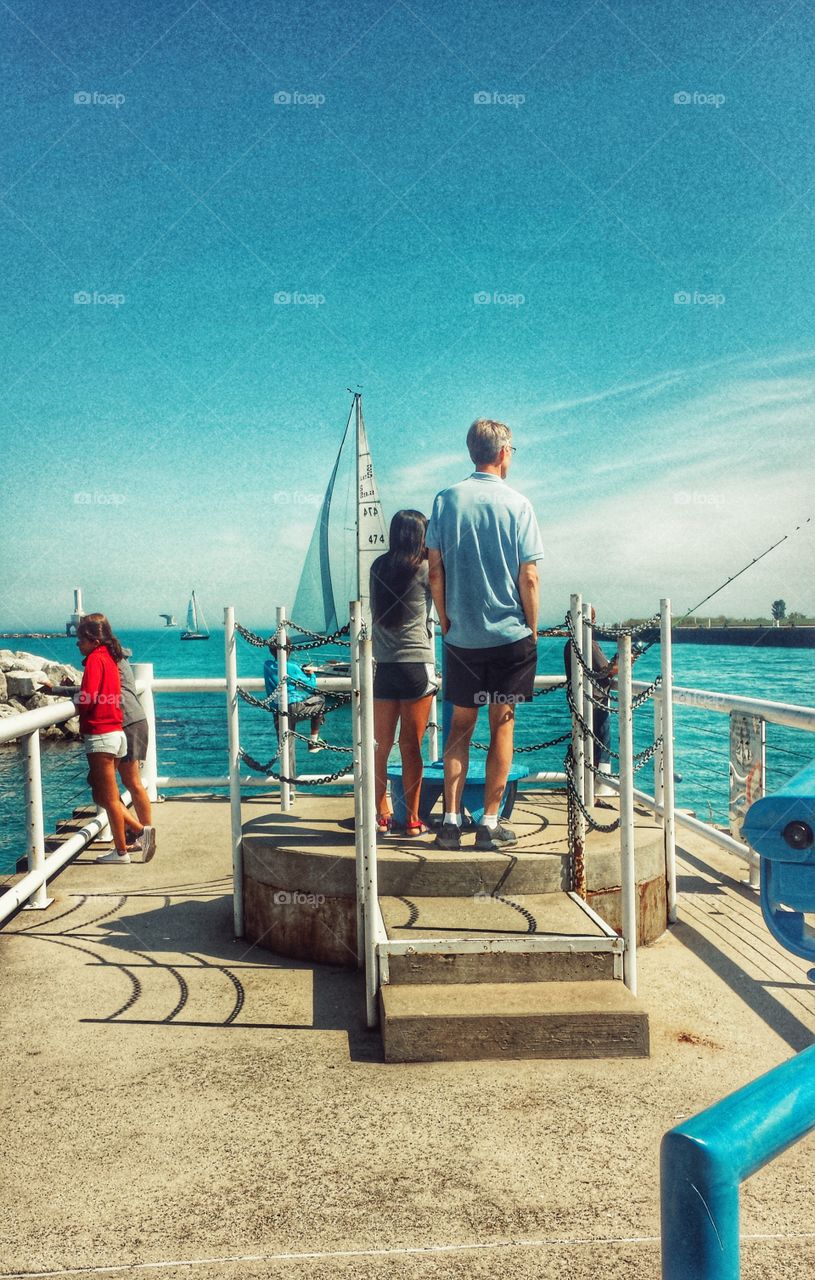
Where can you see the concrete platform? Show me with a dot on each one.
(289, 859)
(177, 1102)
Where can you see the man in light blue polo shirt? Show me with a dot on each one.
(483, 548)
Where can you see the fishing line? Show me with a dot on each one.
(733, 577)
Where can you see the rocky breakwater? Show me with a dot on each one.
(22, 676)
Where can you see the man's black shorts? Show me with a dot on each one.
(502, 673)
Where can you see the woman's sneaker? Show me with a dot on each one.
(499, 837)
(148, 843)
(121, 859)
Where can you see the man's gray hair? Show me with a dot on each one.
(486, 439)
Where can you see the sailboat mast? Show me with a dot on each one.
(357, 422)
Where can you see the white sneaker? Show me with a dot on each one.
(148, 843)
(121, 859)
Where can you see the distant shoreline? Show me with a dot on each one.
(758, 637)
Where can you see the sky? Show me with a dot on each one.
(591, 221)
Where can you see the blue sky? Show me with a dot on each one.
(591, 221)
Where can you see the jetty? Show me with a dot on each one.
(202, 1106)
(280, 1047)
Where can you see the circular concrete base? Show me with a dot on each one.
(300, 873)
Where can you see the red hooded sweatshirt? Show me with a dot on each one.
(100, 698)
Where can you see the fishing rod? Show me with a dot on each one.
(733, 577)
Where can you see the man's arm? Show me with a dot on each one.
(435, 571)
(529, 590)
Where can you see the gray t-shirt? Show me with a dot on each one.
(411, 641)
(131, 707)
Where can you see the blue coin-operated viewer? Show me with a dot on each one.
(781, 829)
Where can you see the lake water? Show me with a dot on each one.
(191, 728)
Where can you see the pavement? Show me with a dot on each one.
(180, 1103)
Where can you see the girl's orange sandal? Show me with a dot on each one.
(416, 828)
(384, 823)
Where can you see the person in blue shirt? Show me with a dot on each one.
(305, 702)
(483, 550)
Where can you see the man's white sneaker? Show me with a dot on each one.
(121, 859)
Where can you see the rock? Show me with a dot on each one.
(17, 706)
(23, 683)
(3, 686)
(70, 729)
(6, 710)
(61, 673)
(43, 700)
(7, 660)
(29, 661)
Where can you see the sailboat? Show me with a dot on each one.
(348, 536)
(196, 626)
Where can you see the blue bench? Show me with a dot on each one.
(433, 784)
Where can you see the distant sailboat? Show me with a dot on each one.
(196, 626)
(349, 535)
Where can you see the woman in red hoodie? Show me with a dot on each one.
(100, 723)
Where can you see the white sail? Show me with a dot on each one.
(192, 614)
(348, 536)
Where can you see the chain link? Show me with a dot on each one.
(271, 642)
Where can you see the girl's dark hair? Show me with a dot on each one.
(95, 627)
(392, 574)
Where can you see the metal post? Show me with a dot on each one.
(433, 731)
(286, 753)
(35, 830)
(668, 754)
(754, 869)
(356, 741)
(143, 673)
(578, 744)
(628, 869)
(659, 761)
(233, 726)
(588, 709)
(369, 830)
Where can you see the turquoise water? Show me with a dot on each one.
(191, 728)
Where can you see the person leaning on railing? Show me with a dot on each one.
(99, 704)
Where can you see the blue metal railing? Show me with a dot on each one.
(704, 1161)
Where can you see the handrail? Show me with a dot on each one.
(704, 1160)
(790, 714)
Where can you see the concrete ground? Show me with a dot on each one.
(174, 1101)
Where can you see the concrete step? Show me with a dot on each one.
(462, 1022)
(517, 917)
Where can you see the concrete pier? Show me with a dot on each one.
(179, 1103)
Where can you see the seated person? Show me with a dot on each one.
(304, 703)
